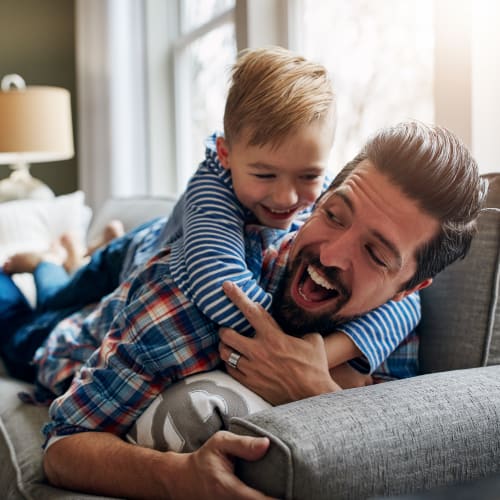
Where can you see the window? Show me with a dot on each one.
(153, 74)
(380, 55)
(191, 45)
(203, 54)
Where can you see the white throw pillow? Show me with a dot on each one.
(32, 225)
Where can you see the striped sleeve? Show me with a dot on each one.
(379, 332)
(213, 251)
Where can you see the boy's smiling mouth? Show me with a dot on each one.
(280, 213)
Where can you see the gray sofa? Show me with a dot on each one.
(401, 437)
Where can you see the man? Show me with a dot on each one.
(398, 214)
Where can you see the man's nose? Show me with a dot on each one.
(337, 250)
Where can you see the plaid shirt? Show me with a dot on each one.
(156, 337)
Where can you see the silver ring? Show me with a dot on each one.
(233, 359)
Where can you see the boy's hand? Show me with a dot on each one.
(278, 367)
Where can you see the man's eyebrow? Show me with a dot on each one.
(345, 199)
(387, 243)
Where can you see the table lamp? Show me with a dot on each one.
(35, 126)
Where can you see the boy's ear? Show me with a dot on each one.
(401, 295)
(222, 151)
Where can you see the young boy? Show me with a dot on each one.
(269, 168)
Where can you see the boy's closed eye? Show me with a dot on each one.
(310, 177)
(264, 176)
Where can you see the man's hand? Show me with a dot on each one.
(102, 463)
(210, 470)
(278, 367)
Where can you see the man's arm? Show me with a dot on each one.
(102, 463)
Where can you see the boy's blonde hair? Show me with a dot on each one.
(274, 92)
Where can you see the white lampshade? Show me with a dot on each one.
(35, 125)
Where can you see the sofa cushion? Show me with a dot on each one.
(130, 211)
(384, 439)
(460, 325)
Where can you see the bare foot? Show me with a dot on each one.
(75, 252)
(26, 262)
(113, 229)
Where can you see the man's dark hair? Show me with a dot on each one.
(434, 168)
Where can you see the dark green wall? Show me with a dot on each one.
(37, 41)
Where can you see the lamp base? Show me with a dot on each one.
(21, 185)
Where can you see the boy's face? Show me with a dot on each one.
(276, 183)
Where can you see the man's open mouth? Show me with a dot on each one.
(314, 287)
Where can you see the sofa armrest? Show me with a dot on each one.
(391, 438)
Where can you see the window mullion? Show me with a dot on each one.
(189, 37)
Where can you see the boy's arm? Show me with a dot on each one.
(340, 348)
(377, 333)
(214, 251)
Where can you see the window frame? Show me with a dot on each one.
(129, 140)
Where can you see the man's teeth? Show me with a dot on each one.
(318, 279)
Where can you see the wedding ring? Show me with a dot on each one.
(233, 359)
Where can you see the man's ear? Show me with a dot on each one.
(222, 151)
(401, 295)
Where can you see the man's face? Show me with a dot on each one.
(354, 253)
(277, 183)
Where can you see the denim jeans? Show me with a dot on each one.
(22, 328)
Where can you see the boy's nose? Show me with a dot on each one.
(285, 196)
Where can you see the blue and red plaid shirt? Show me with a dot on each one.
(155, 337)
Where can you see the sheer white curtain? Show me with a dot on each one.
(112, 115)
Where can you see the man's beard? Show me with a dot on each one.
(297, 322)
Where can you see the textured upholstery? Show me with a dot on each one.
(389, 438)
(21, 474)
(460, 325)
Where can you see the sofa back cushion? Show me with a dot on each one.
(460, 325)
(130, 211)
